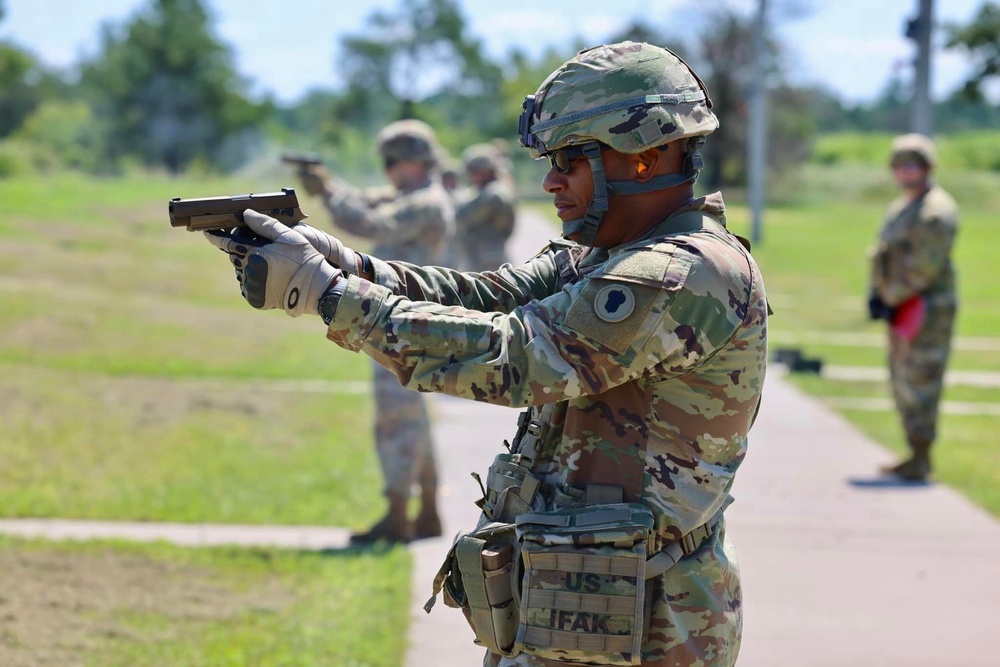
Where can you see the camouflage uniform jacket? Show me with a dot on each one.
(913, 255)
(412, 225)
(485, 220)
(645, 363)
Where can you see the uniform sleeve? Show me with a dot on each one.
(501, 290)
(908, 264)
(402, 219)
(586, 338)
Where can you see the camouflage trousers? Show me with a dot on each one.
(402, 436)
(696, 614)
(916, 371)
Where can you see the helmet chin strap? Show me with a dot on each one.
(587, 225)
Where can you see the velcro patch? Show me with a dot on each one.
(612, 313)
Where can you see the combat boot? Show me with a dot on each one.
(428, 522)
(915, 469)
(394, 527)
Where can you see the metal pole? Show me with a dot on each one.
(922, 111)
(757, 130)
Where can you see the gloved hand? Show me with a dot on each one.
(877, 310)
(331, 248)
(280, 269)
(316, 180)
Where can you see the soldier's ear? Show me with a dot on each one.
(646, 164)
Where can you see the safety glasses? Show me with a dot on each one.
(561, 160)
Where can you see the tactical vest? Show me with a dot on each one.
(558, 571)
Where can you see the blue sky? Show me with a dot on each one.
(287, 47)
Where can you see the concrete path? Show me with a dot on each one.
(839, 568)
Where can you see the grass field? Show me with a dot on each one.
(136, 384)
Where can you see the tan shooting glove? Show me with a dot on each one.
(278, 270)
(316, 180)
(330, 247)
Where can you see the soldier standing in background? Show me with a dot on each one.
(638, 345)
(449, 174)
(413, 222)
(913, 288)
(486, 209)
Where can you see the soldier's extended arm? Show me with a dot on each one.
(489, 291)
(212, 213)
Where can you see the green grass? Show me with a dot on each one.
(207, 606)
(136, 384)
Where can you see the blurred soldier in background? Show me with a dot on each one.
(450, 176)
(913, 288)
(412, 222)
(486, 209)
(638, 345)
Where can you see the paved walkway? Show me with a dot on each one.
(838, 567)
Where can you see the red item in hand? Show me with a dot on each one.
(908, 318)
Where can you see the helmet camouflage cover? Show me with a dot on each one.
(630, 96)
(408, 140)
(914, 145)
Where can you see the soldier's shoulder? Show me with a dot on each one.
(939, 203)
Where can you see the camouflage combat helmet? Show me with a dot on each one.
(914, 145)
(628, 96)
(408, 140)
(482, 157)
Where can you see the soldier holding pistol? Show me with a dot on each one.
(411, 221)
(636, 346)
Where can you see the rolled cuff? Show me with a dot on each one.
(357, 312)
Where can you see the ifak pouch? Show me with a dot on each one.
(582, 583)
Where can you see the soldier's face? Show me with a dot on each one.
(480, 177)
(406, 173)
(573, 190)
(910, 174)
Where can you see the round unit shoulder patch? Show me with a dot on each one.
(614, 303)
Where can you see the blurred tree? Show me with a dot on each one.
(980, 39)
(18, 96)
(24, 84)
(420, 50)
(166, 88)
(722, 55)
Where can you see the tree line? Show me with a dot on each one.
(162, 92)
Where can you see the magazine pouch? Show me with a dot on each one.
(477, 577)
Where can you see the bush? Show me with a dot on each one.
(68, 131)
